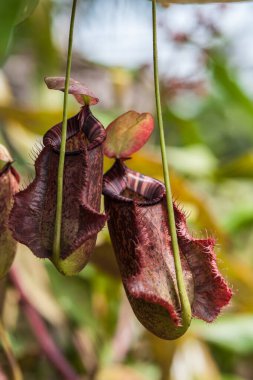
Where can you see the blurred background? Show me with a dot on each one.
(206, 67)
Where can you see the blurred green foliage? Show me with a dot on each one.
(211, 155)
(12, 12)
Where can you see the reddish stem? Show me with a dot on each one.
(41, 333)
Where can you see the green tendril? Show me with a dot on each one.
(184, 301)
(58, 218)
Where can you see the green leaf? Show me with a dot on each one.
(228, 85)
(239, 219)
(233, 333)
(8, 11)
(26, 8)
(12, 12)
(180, 130)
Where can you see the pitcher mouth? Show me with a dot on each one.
(83, 123)
(126, 185)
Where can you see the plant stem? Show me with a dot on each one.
(185, 304)
(60, 178)
(16, 372)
